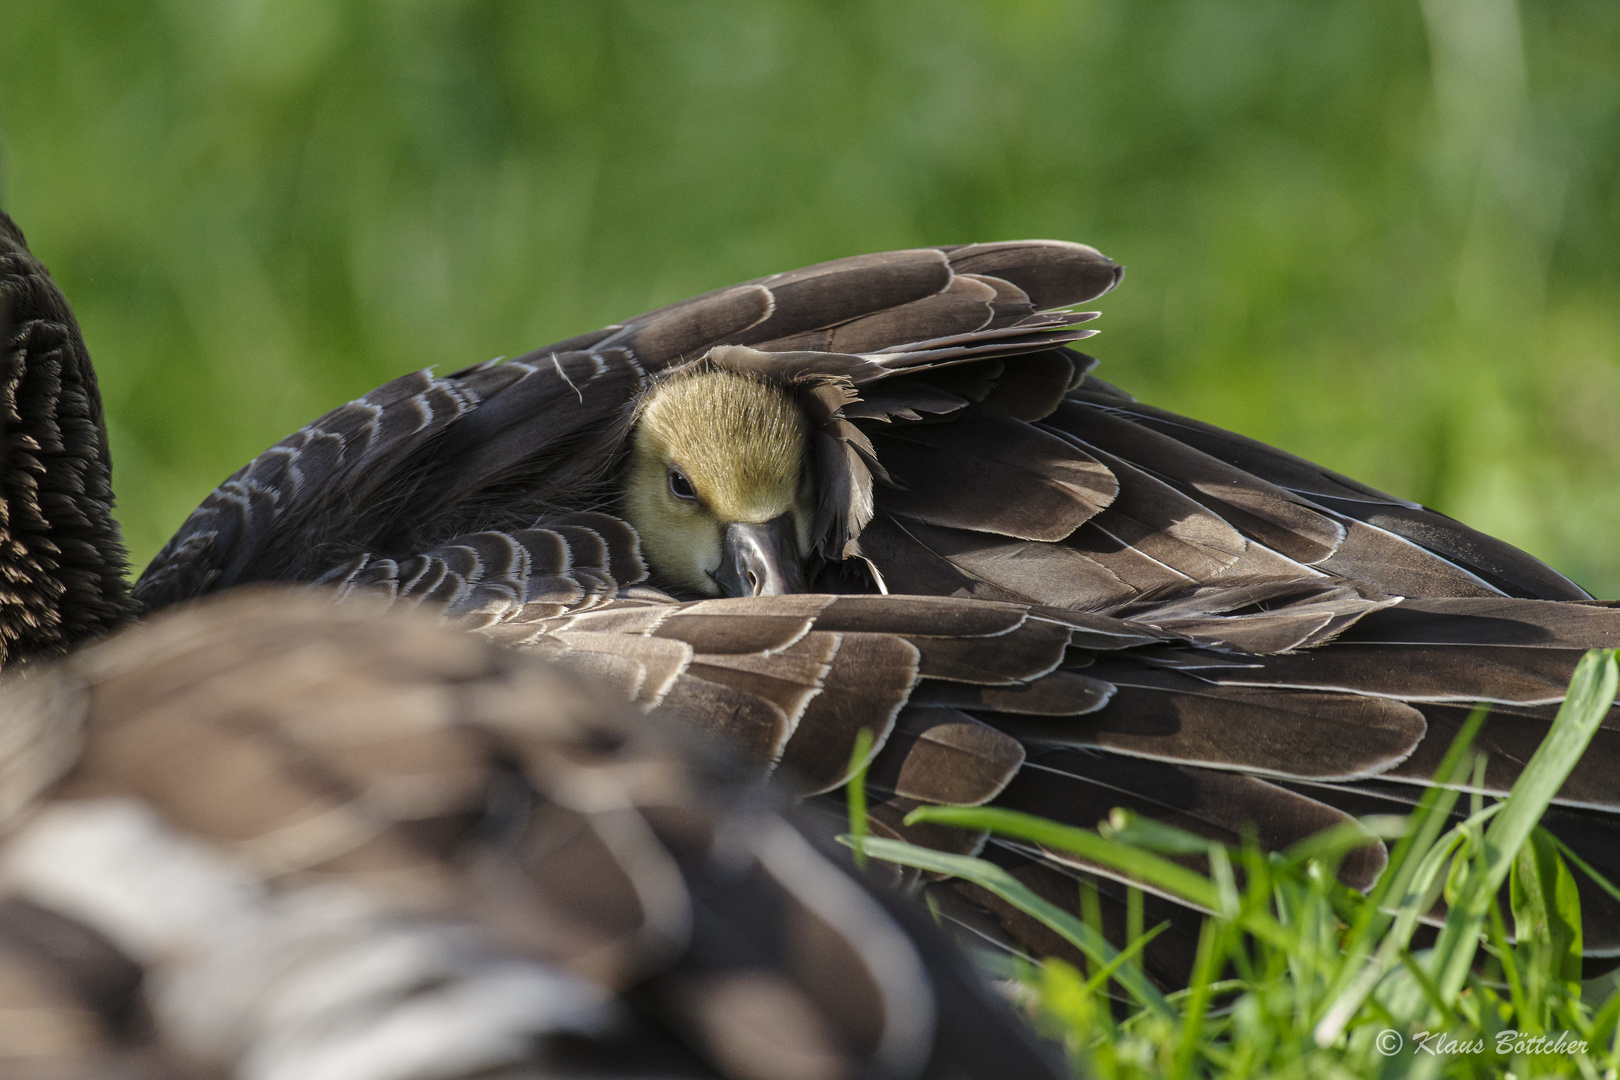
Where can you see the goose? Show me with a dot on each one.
(63, 567)
(1033, 590)
(279, 837)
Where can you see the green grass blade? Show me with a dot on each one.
(1126, 955)
(1129, 827)
(1142, 866)
(1597, 876)
(1591, 693)
(1411, 867)
(1330, 845)
(855, 792)
(1546, 915)
(996, 880)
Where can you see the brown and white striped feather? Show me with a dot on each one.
(280, 831)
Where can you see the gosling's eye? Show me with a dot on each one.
(680, 486)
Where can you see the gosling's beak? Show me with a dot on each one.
(760, 559)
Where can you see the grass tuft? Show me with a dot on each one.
(1297, 975)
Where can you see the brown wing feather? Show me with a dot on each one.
(870, 679)
(1052, 274)
(1046, 489)
(1505, 567)
(963, 306)
(946, 756)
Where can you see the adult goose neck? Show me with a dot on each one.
(63, 566)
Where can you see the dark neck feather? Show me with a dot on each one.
(62, 561)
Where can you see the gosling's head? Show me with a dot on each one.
(720, 487)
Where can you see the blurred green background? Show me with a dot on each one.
(1384, 234)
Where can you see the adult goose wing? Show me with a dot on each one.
(1069, 715)
(967, 452)
(274, 836)
(1501, 565)
(406, 470)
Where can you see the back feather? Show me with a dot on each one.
(271, 836)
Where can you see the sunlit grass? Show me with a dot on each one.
(1299, 976)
